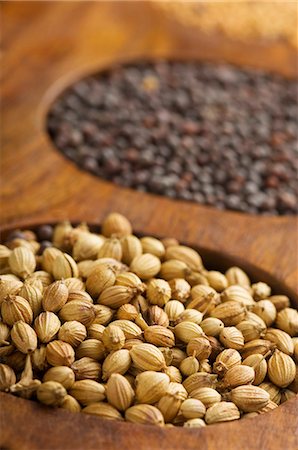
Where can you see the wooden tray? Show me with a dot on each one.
(50, 45)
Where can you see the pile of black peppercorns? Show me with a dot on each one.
(213, 134)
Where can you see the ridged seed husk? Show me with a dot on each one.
(287, 320)
(147, 357)
(185, 254)
(99, 279)
(203, 298)
(39, 358)
(116, 224)
(16, 308)
(190, 315)
(273, 391)
(189, 366)
(158, 292)
(222, 412)
(185, 331)
(111, 248)
(260, 290)
(177, 356)
(46, 326)
(24, 337)
(118, 361)
(9, 287)
(259, 364)
(231, 337)
(199, 380)
(173, 309)
(212, 326)
(86, 368)
(153, 246)
(260, 346)
(194, 423)
(208, 396)
(92, 348)
(281, 339)
(40, 276)
(266, 310)
(199, 347)
(131, 248)
(159, 336)
(217, 280)
(127, 312)
(130, 280)
(235, 275)
(281, 369)
(62, 374)
(225, 360)
(113, 337)
(269, 407)
(130, 329)
(238, 294)
(172, 269)
(230, 312)
(157, 316)
(70, 404)
(145, 415)
(174, 374)
(145, 266)
(239, 375)
(33, 295)
(4, 334)
(250, 398)
(103, 315)
(116, 296)
(280, 301)
(72, 332)
(170, 403)
(130, 343)
(7, 377)
(86, 246)
(22, 262)
(151, 386)
(87, 392)
(251, 330)
(48, 257)
(55, 296)
(51, 393)
(73, 284)
(192, 408)
(79, 295)
(95, 331)
(103, 410)
(60, 353)
(81, 311)
(119, 392)
(180, 289)
(64, 266)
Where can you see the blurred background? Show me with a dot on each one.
(47, 46)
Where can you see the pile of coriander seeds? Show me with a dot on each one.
(137, 329)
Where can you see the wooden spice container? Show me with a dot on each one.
(50, 45)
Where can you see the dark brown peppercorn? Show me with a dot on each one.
(213, 134)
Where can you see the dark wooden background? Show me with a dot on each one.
(46, 46)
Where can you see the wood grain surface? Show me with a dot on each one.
(46, 46)
(63, 430)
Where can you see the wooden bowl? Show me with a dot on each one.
(39, 185)
(77, 431)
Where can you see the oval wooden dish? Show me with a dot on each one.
(51, 44)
